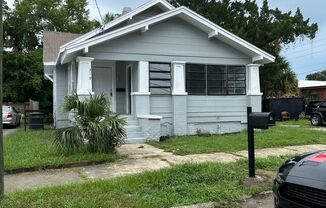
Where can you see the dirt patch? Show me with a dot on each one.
(264, 200)
(51, 167)
(205, 205)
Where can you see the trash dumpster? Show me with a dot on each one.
(36, 120)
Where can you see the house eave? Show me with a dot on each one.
(164, 4)
(213, 31)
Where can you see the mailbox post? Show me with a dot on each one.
(251, 146)
(258, 121)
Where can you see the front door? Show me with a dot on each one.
(102, 81)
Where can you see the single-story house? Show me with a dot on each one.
(168, 70)
(312, 90)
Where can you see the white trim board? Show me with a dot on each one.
(166, 6)
(188, 15)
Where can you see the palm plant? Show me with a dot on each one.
(96, 127)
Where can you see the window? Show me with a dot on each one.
(236, 80)
(215, 79)
(160, 78)
(196, 79)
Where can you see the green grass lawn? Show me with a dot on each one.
(179, 185)
(300, 122)
(34, 149)
(277, 136)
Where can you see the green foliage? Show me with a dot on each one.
(269, 29)
(108, 17)
(23, 78)
(23, 28)
(278, 136)
(173, 187)
(95, 126)
(39, 15)
(34, 149)
(319, 76)
(281, 79)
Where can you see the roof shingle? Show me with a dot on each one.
(52, 42)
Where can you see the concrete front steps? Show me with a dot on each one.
(135, 134)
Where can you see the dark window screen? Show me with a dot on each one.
(196, 79)
(160, 78)
(215, 79)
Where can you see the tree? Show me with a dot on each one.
(319, 76)
(269, 29)
(108, 17)
(23, 28)
(23, 78)
(96, 127)
(35, 16)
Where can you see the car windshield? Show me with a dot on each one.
(5, 109)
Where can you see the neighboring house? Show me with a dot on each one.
(312, 90)
(171, 70)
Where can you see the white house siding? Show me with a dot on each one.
(60, 92)
(171, 40)
(209, 114)
(162, 105)
(177, 40)
(216, 114)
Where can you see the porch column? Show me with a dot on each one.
(141, 96)
(253, 87)
(179, 98)
(84, 79)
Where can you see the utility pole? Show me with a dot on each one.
(2, 186)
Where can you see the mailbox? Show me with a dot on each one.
(261, 120)
(256, 121)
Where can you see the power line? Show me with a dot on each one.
(99, 11)
(304, 52)
(310, 65)
(312, 53)
(305, 49)
(312, 71)
(307, 44)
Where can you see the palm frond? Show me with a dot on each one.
(68, 139)
(96, 126)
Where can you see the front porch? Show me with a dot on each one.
(125, 84)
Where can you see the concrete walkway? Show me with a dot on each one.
(140, 158)
(7, 131)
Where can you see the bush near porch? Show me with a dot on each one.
(300, 133)
(34, 149)
(180, 185)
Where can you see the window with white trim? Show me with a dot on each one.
(215, 79)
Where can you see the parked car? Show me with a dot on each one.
(10, 116)
(316, 111)
(301, 182)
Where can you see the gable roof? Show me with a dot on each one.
(213, 31)
(52, 42)
(164, 5)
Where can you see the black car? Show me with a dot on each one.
(316, 111)
(301, 182)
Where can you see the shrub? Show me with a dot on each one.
(95, 127)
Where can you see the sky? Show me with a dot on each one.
(305, 56)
